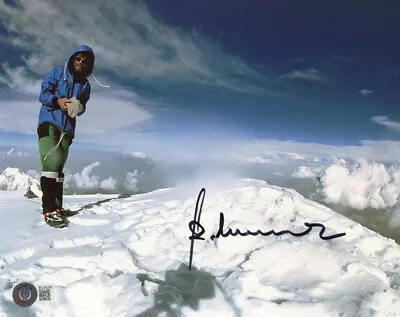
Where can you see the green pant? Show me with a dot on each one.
(48, 139)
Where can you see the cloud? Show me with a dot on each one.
(108, 184)
(174, 161)
(308, 75)
(127, 40)
(18, 116)
(111, 174)
(131, 181)
(366, 92)
(387, 122)
(198, 149)
(381, 151)
(362, 185)
(258, 160)
(12, 153)
(18, 80)
(84, 179)
(140, 155)
(107, 113)
(275, 157)
(305, 172)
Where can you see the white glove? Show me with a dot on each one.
(74, 107)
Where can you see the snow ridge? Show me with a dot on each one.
(131, 255)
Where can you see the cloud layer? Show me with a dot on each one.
(126, 39)
(366, 92)
(86, 180)
(106, 113)
(387, 122)
(362, 185)
(309, 75)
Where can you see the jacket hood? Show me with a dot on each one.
(82, 49)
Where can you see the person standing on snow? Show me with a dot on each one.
(64, 94)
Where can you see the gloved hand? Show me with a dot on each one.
(74, 107)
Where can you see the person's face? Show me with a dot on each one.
(81, 63)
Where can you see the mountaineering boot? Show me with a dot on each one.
(50, 214)
(55, 220)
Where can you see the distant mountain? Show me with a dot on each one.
(14, 179)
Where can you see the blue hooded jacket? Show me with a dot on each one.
(59, 82)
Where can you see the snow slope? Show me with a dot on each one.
(130, 256)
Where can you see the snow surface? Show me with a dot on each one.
(129, 257)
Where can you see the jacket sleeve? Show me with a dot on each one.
(48, 88)
(85, 98)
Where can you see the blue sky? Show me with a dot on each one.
(267, 70)
(353, 46)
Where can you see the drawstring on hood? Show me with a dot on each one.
(65, 70)
(98, 82)
(80, 49)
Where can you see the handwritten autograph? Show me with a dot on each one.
(198, 230)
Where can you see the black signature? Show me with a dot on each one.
(198, 230)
